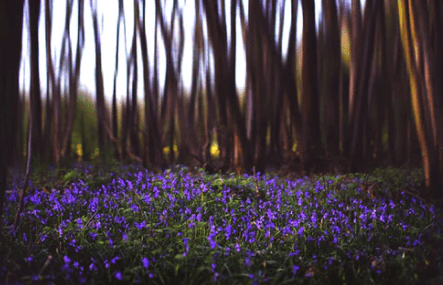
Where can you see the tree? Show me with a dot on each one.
(36, 104)
(413, 17)
(11, 20)
(331, 71)
(99, 88)
(73, 72)
(311, 139)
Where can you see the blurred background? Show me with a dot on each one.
(230, 85)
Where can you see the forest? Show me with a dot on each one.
(325, 166)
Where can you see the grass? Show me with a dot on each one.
(126, 225)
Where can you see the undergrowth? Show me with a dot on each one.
(125, 224)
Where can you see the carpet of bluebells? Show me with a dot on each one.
(182, 227)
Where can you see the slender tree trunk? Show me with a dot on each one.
(99, 89)
(114, 90)
(34, 16)
(53, 86)
(74, 75)
(152, 144)
(332, 67)
(357, 122)
(289, 77)
(311, 140)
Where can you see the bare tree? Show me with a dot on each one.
(114, 90)
(331, 68)
(73, 72)
(357, 112)
(34, 16)
(99, 89)
(311, 139)
(413, 17)
(53, 86)
(290, 83)
(11, 21)
(225, 88)
(152, 147)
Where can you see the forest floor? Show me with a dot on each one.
(119, 224)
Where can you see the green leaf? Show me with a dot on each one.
(180, 257)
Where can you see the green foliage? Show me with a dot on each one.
(85, 109)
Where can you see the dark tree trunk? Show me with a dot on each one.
(11, 19)
(34, 16)
(53, 87)
(357, 122)
(311, 140)
(331, 65)
(290, 83)
(99, 89)
(114, 90)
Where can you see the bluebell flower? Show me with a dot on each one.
(115, 259)
(228, 231)
(186, 245)
(145, 262)
(118, 275)
(295, 268)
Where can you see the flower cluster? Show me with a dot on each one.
(175, 222)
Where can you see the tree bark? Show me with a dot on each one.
(11, 19)
(311, 140)
(36, 104)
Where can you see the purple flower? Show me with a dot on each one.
(92, 267)
(300, 231)
(145, 262)
(115, 259)
(118, 275)
(295, 268)
(185, 243)
(140, 225)
(228, 231)
(79, 223)
(211, 242)
(66, 259)
(248, 262)
(93, 235)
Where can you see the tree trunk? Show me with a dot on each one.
(331, 65)
(34, 16)
(311, 140)
(11, 19)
